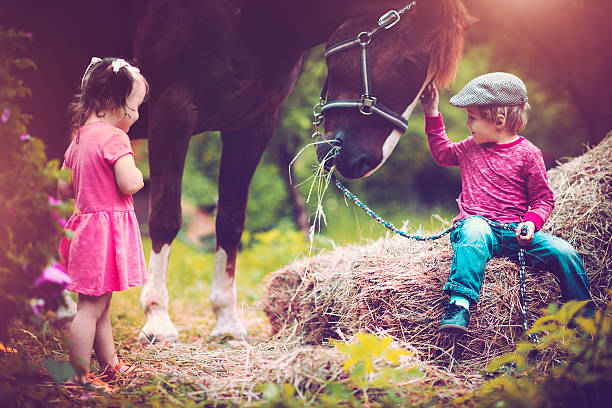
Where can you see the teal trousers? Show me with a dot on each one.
(475, 242)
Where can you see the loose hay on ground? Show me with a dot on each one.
(238, 371)
(395, 285)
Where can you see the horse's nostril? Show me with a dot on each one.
(362, 166)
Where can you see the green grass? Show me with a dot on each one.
(349, 224)
(190, 270)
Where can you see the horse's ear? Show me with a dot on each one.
(469, 21)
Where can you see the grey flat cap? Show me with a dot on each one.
(496, 89)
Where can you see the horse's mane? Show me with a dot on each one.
(445, 41)
(441, 24)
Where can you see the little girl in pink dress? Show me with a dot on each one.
(104, 252)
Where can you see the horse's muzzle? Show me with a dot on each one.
(328, 151)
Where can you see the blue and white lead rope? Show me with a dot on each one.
(390, 226)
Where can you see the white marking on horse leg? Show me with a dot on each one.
(395, 135)
(154, 300)
(223, 300)
(67, 311)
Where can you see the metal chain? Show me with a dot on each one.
(390, 226)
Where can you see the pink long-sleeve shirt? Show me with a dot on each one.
(501, 182)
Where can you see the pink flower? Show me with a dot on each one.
(25, 137)
(6, 114)
(28, 34)
(54, 201)
(37, 306)
(60, 221)
(52, 281)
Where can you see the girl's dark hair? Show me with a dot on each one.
(102, 89)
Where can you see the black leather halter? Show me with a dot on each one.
(367, 104)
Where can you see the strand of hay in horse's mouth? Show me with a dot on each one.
(395, 285)
(319, 183)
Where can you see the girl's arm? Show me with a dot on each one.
(64, 184)
(128, 177)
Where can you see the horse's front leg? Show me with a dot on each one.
(241, 154)
(66, 311)
(171, 126)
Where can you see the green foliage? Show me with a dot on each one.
(374, 379)
(59, 370)
(570, 365)
(29, 230)
(362, 363)
(367, 348)
(267, 251)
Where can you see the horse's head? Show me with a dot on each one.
(425, 45)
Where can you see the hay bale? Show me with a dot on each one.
(394, 285)
(583, 214)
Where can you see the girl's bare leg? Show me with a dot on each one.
(104, 345)
(83, 331)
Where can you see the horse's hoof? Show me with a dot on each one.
(146, 339)
(225, 332)
(159, 328)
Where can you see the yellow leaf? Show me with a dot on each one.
(587, 325)
(393, 356)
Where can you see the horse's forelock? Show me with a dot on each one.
(445, 42)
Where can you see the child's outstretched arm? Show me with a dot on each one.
(443, 151)
(127, 175)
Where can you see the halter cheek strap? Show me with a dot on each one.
(367, 103)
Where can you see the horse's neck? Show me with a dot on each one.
(302, 24)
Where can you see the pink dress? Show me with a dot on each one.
(105, 254)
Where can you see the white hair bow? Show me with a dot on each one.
(116, 64)
(120, 63)
(94, 60)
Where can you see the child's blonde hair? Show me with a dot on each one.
(516, 115)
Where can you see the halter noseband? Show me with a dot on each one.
(367, 103)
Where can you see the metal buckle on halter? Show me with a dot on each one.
(389, 19)
(364, 38)
(366, 103)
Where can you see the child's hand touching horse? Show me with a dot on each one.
(430, 99)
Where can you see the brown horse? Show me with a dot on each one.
(228, 65)
(246, 61)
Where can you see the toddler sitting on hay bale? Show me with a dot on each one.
(394, 285)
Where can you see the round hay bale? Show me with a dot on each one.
(394, 285)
